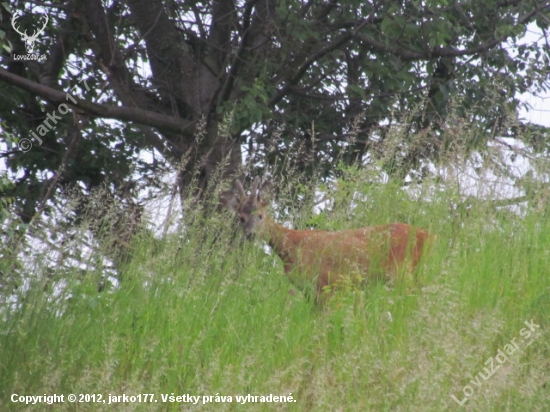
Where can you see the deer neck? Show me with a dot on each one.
(279, 239)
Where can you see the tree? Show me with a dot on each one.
(195, 81)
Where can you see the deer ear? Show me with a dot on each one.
(229, 201)
(265, 193)
(254, 188)
(240, 189)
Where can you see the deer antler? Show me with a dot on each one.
(44, 25)
(29, 40)
(16, 15)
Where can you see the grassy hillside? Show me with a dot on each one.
(202, 318)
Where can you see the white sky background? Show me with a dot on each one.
(540, 112)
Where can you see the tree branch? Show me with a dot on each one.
(239, 56)
(223, 18)
(408, 55)
(183, 83)
(139, 116)
(344, 38)
(111, 59)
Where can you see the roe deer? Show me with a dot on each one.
(327, 257)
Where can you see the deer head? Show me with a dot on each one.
(250, 209)
(29, 40)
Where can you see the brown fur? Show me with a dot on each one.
(326, 257)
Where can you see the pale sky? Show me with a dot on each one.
(540, 112)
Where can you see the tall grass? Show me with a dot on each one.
(207, 315)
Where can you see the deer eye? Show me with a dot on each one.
(241, 219)
(260, 217)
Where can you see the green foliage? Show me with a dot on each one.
(253, 107)
(202, 318)
(10, 231)
(314, 84)
(5, 185)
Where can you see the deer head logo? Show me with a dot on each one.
(29, 40)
